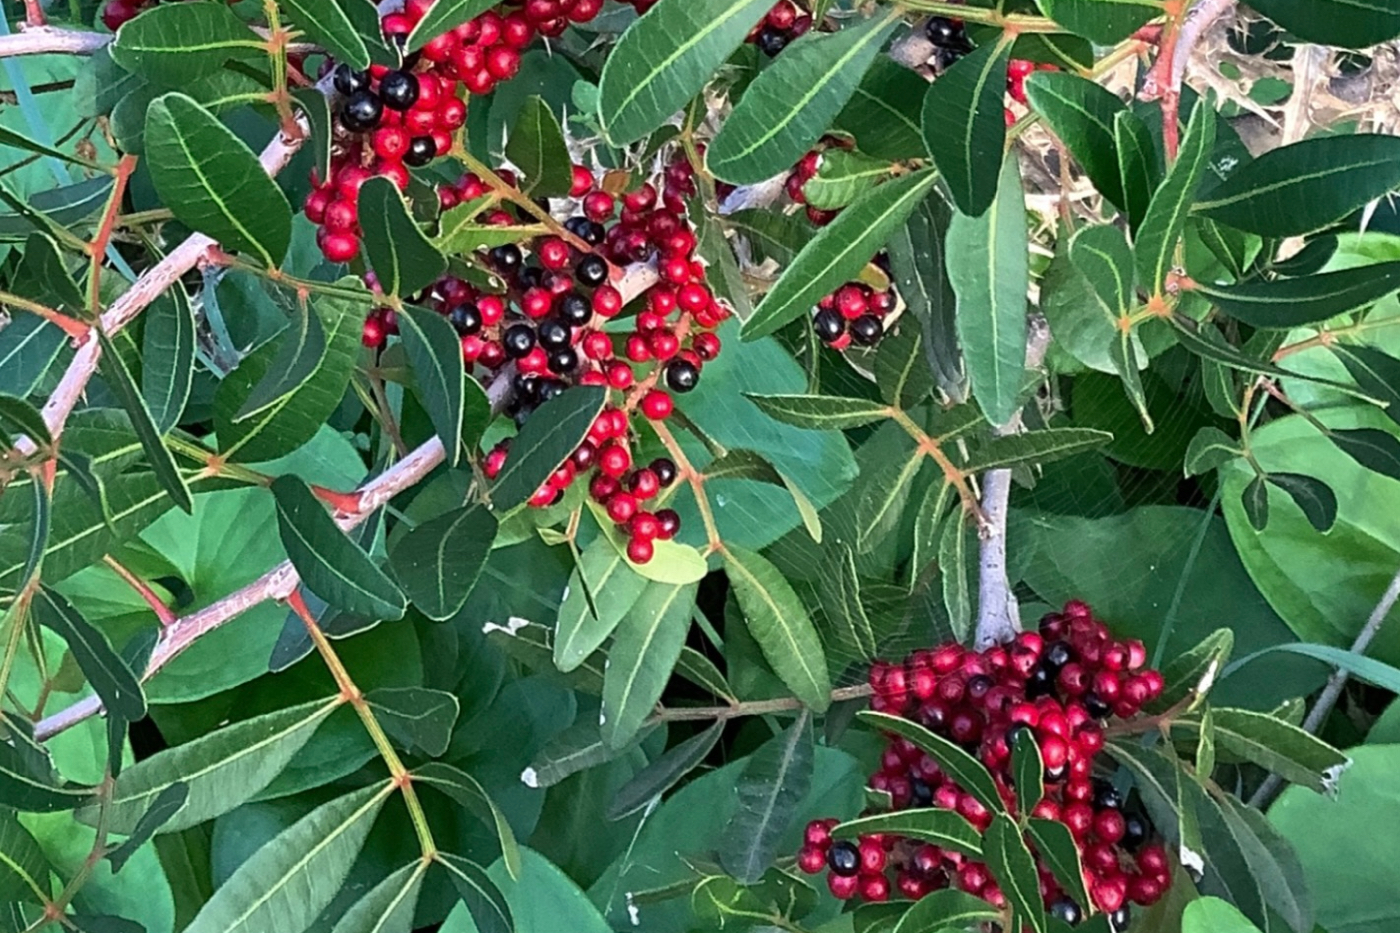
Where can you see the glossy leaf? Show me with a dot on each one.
(1376, 372)
(551, 435)
(104, 669)
(325, 23)
(1138, 165)
(821, 412)
(27, 792)
(1105, 22)
(1256, 503)
(1058, 850)
(335, 568)
(663, 773)
(468, 792)
(919, 271)
(1036, 447)
(24, 870)
(287, 882)
(1028, 771)
(435, 353)
(1351, 24)
(601, 590)
(665, 58)
(118, 378)
(773, 782)
(1210, 448)
(167, 357)
(952, 569)
(883, 115)
(1288, 303)
(1312, 495)
(842, 177)
(213, 182)
(1105, 259)
(989, 266)
(176, 44)
(839, 588)
(576, 749)
(19, 416)
(780, 624)
(1372, 448)
(442, 16)
(792, 102)
(1082, 114)
(1197, 670)
(1014, 869)
(28, 346)
(419, 719)
(943, 828)
(1305, 186)
(880, 500)
(946, 909)
(958, 764)
(167, 803)
(839, 251)
(388, 906)
(397, 249)
(964, 129)
(484, 900)
(536, 146)
(902, 369)
(646, 646)
(1165, 220)
(439, 562)
(1212, 915)
(1295, 755)
(300, 349)
(221, 769)
(45, 277)
(745, 464)
(1207, 343)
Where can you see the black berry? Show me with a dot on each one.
(361, 112)
(550, 389)
(592, 232)
(465, 318)
(664, 469)
(518, 340)
(421, 151)
(399, 90)
(1058, 655)
(563, 361)
(1120, 918)
(1096, 707)
(1136, 829)
(920, 794)
(348, 80)
(1041, 683)
(943, 32)
(829, 325)
(682, 375)
(843, 858)
(866, 330)
(506, 258)
(526, 386)
(1106, 796)
(530, 277)
(554, 335)
(1066, 910)
(575, 309)
(771, 41)
(591, 270)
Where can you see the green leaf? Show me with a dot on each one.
(484, 900)
(221, 769)
(1209, 344)
(780, 624)
(1083, 115)
(1037, 447)
(839, 251)
(1028, 770)
(791, 103)
(1197, 670)
(1305, 186)
(745, 464)
(45, 275)
(576, 749)
(435, 353)
(772, 784)
(1288, 303)
(663, 773)
(1165, 220)
(1138, 165)
(673, 563)
(821, 412)
(770, 235)
(944, 828)
(989, 266)
(439, 562)
(213, 182)
(325, 23)
(287, 882)
(1104, 22)
(163, 808)
(1122, 353)
(1353, 24)
(545, 442)
(442, 16)
(1209, 449)
(902, 369)
(118, 378)
(839, 589)
(1377, 373)
(419, 719)
(18, 415)
(1102, 255)
(54, 209)
(883, 114)
(665, 58)
(536, 146)
(173, 45)
(1212, 915)
(964, 128)
(468, 792)
(946, 909)
(293, 419)
(24, 870)
(919, 270)
(1312, 495)
(952, 568)
(1058, 850)
(602, 588)
(28, 346)
(167, 357)
(331, 565)
(1013, 867)
(104, 669)
(1256, 503)
(881, 499)
(300, 349)
(1293, 754)
(27, 792)
(646, 646)
(956, 763)
(388, 906)
(842, 177)
(1372, 448)
(397, 249)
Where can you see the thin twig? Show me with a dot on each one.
(753, 707)
(1335, 684)
(998, 614)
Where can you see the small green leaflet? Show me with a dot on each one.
(1372, 448)
(1352, 24)
(945, 910)
(602, 588)
(1036, 447)
(646, 645)
(1028, 770)
(962, 767)
(842, 177)
(1162, 226)
(299, 351)
(780, 624)
(1313, 496)
(179, 43)
(663, 773)
(335, 568)
(326, 23)
(772, 784)
(166, 805)
(441, 17)
(1014, 869)
(1376, 372)
(439, 562)
(435, 353)
(944, 828)
(536, 146)
(167, 357)
(1138, 165)
(43, 275)
(821, 412)
(109, 675)
(1082, 114)
(484, 900)
(18, 415)
(546, 441)
(1312, 299)
(419, 719)
(468, 792)
(964, 128)
(388, 906)
(398, 250)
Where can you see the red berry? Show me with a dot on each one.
(874, 888)
(621, 507)
(502, 62)
(1108, 894)
(614, 461)
(339, 247)
(657, 405)
(842, 887)
(811, 860)
(1109, 826)
(553, 253)
(640, 550)
(607, 301)
(582, 182)
(599, 206)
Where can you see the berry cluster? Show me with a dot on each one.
(949, 38)
(548, 329)
(780, 26)
(804, 171)
(1060, 684)
(1017, 71)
